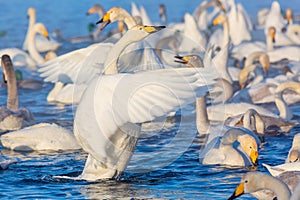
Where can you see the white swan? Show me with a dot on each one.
(193, 39)
(42, 43)
(110, 134)
(289, 52)
(19, 57)
(40, 137)
(253, 182)
(12, 117)
(294, 153)
(238, 20)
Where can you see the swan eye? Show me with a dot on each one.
(246, 181)
(141, 28)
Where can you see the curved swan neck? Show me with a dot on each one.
(284, 110)
(252, 57)
(12, 91)
(258, 123)
(202, 121)
(32, 47)
(111, 62)
(128, 19)
(280, 189)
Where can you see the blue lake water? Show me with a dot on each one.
(165, 165)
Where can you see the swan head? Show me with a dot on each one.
(264, 60)
(190, 60)
(294, 156)
(220, 19)
(41, 29)
(112, 15)
(248, 184)
(30, 12)
(249, 146)
(289, 15)
(271, 33)
(95, 9)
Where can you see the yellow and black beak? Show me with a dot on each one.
(153, 29)
(106, 19)
(273, 37)
(216, 21)
(254, 157)
(238, 191)
(266, 68)
(46, 34)
(182, 59)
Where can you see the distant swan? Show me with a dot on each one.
(21, 58)
(42, 43)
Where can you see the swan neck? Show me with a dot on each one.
(32, 48)
(224, 51)
(284, 110)
(12, 91)
(269, 41)
(280, 189)
(111, 63)
(252, 57)
(129, 21)
(201, 115)
(258, 123)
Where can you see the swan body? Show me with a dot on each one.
(236, 148)
(39, 137)
(110, 134)
(286, 167)
(19, 57)
(42, 43)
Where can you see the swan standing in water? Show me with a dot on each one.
(12, 117)
(42, 43)
(108, 127)
(19, 57)
(256, 181)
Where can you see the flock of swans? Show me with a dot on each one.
(149, 70)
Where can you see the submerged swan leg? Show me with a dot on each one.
(119, 153)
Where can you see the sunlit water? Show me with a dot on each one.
(165, 164)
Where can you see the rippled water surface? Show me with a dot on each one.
(165, 164)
